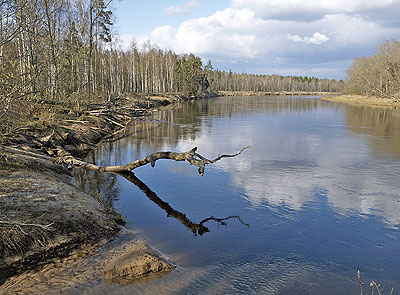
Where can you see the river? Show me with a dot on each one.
(315, 199)
(317, 195)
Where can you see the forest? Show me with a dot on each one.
(378, 75)
(63, 52)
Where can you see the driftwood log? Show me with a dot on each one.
(191, 156)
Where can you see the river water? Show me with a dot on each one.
(315, 199)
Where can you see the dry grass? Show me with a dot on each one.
(17, 237)
(375, 287)
(364, 100)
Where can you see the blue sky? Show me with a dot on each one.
(287, 37)
(142, 17)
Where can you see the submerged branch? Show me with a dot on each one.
(191, 156)
(221, 221)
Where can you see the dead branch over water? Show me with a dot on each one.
(191, 156)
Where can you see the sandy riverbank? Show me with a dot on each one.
(42, 216)
(364, 100)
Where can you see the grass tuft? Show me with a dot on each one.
(375, 287)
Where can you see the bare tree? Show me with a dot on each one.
(378, 75)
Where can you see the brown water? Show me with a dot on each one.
(315, 199)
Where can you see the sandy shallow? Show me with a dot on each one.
(88, 268)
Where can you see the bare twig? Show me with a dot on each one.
(221, 221)
(374, 285)
(359, 281)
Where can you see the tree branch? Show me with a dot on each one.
(191, 156)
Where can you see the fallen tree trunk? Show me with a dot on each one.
(191, 156)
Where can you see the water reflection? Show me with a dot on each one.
(188, 120)
(310, 151)
(321, 183)
(381, 124)
(185, 122)
(195, 228)
(299, 156)
(301, 145)
(103, 186)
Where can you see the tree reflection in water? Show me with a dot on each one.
(196, 228)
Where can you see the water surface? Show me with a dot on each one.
(319, 191)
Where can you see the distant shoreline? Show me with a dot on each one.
(364, 100)
(266, 93)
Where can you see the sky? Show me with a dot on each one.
(285, 37)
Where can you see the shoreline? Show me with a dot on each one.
(363, 100)
(273, 93)
(43, 216)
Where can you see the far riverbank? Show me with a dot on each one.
(270, 93)
(364, 100)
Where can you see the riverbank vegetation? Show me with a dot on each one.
(374, 80)
(378, 75)
(365, 100)
(374, 287)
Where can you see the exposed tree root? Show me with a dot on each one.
(15, 235)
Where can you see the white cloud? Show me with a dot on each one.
(225, 31)
(307, 10)
(183, 9)
(239, 34)
(261, 36)
(317, 38)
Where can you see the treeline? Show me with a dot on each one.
(51, 50)
(62, 52)
(152, 70)
(378, 75)
(221, 80)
